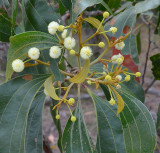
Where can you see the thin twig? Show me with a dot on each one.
(150, 85)
(147, 54)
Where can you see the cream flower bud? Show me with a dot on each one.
(119, 77)
(119, 61)
(86, 52)
(34, 53)
(112, 101)
(58, 117)
(69, 42)
(120, 45)
(101, 44)
(108, 78)
(72, 52)
(52, 27)
(118, 86)
(73, 118)
(18, 65)
(89, 82)
(106, 14)
(55, 52)
(64, 33)
(71, 101)
(60, 28)
(113, 29)
(138, 74)
(127, 78)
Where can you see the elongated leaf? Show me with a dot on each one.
(80, 77)
(5, 26)
(14, 13)
(95, 22)
(113, 3)
(120, 102)
(146, 5)
(4, 3)
(107, 7)
(110, 132)
(75, 137)
(20, 44)
(50, 89)
(17, 96)
(33, 142)
(158, 118)
(37, 14)
(137, 125)
(77, 6)
(138, 40)
(156, 69)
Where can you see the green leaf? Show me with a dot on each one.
(110, 133)
(146, 5)
(14, 13)
(75, 137)
(138, 40)
(62, 8)
(107, 7)
(156, 68)
(20, 44)
(33, 142)
(158, 118)
(5, 26)
(17, 96)
(77, 6)
(4, 3)
(136, 126)
(37, 14)
(113, 3)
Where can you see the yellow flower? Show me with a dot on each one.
(89, 82)
(60, 28)
(112, 101)
(113, 29)
(108, 78)
(127, 78)
(72, 52)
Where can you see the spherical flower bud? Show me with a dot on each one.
(69, 42)
(72, 52)
(108, 78)
(120, 45)
(18, 65)
(71, 101)
(106, 14)
(119, 77)
(119, 61)
(55, 52)
(34, 53)
(120, 56)
(127, 78)
(86, 52)
(138, 74)
(58, 117)
(112, 101)
(113, 29)
(60, 28)
(73, 118)
(118, 86)
(64, 33)
(52, 27)
(101, 44)
(89, 82)
(45, 92)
